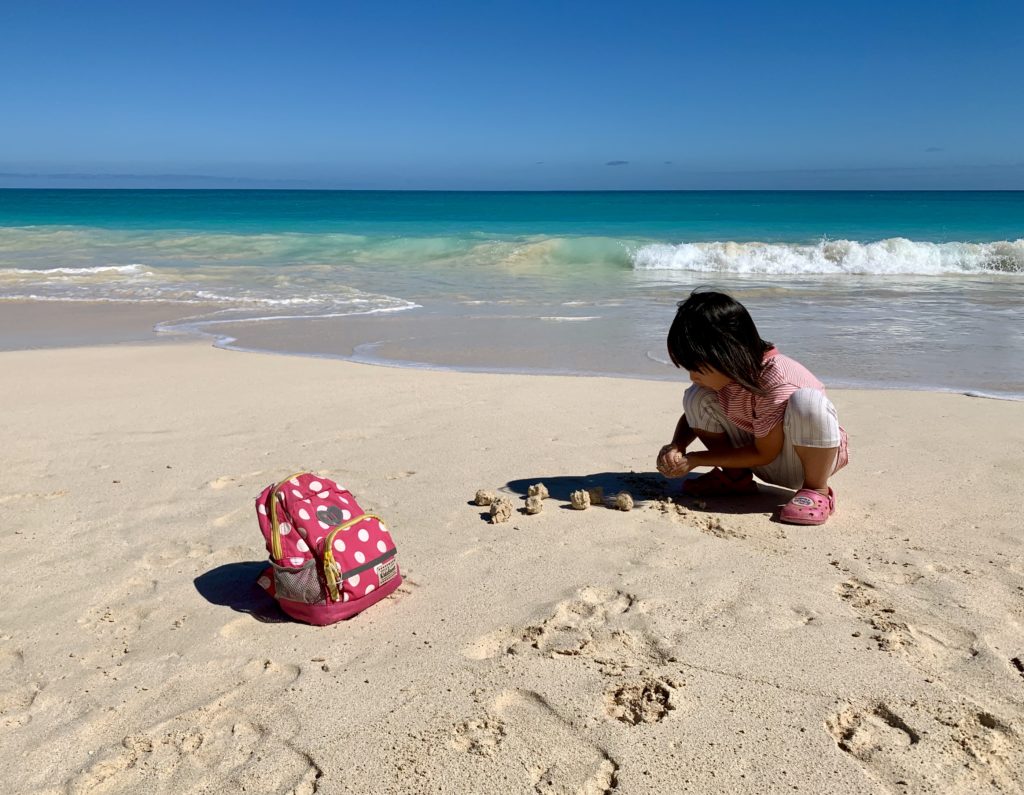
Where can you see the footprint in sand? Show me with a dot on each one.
(864, 733)
(114, 623)
(926, 640)
(968, 750)
(224, 481)
(237, 516)
(216, 746)
(201, 750)
(598, 625)
(172, 552)
(645, 700)
(17, 694)
(994, 750)
(480, 736)
(35, 495)
(521, 732)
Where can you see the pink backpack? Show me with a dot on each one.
(328, 559)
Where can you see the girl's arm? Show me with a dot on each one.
(684, 435)
(763, 451)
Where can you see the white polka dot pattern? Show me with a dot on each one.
(359, 556)
(364, 535)
(382, 547)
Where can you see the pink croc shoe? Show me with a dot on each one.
(808, 506)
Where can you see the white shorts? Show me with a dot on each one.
(810, 421)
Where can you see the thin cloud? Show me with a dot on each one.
(617, 163)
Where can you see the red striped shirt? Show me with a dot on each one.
(780, 378)
(758, 414)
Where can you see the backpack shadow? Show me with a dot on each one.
(234, 585)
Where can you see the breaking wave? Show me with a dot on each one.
(895, 256)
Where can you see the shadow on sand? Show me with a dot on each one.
(234, 585)
(646, 486)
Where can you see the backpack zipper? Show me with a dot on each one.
(275, 530)
(332, 571)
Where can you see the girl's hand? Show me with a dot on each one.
(671, 462)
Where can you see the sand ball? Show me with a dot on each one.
(580, 500)
(501, 510)
(484, 497)
(624, 501)
(534, 503)
(538, 490)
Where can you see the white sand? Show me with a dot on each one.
(667, 649)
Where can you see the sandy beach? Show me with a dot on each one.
(673, 648)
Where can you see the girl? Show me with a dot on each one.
(755, 410)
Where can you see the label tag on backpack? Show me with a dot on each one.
(386, 571)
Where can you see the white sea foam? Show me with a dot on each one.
(128, 270)
(895, 256)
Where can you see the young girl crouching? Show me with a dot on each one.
(755, 410)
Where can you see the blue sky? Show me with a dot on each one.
(519, 95)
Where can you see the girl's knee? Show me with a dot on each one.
(811, 419)
(697, 400)
(702, 410)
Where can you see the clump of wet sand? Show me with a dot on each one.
(580, 500)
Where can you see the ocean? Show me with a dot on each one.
(917, 290)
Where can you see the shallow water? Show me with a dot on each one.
(920, 290)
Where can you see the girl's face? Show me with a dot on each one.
(709, 377)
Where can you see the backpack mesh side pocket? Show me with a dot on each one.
(299, 585)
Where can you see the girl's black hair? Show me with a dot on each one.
(715, 329)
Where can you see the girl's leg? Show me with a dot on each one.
(716, 432)
(818, 464)
(812, 437)
(808, 456)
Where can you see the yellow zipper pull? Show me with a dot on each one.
(275, 530)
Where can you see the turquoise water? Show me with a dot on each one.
(770, 216)
(904, 289)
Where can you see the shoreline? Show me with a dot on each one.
(596, 647)
(29, 324)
